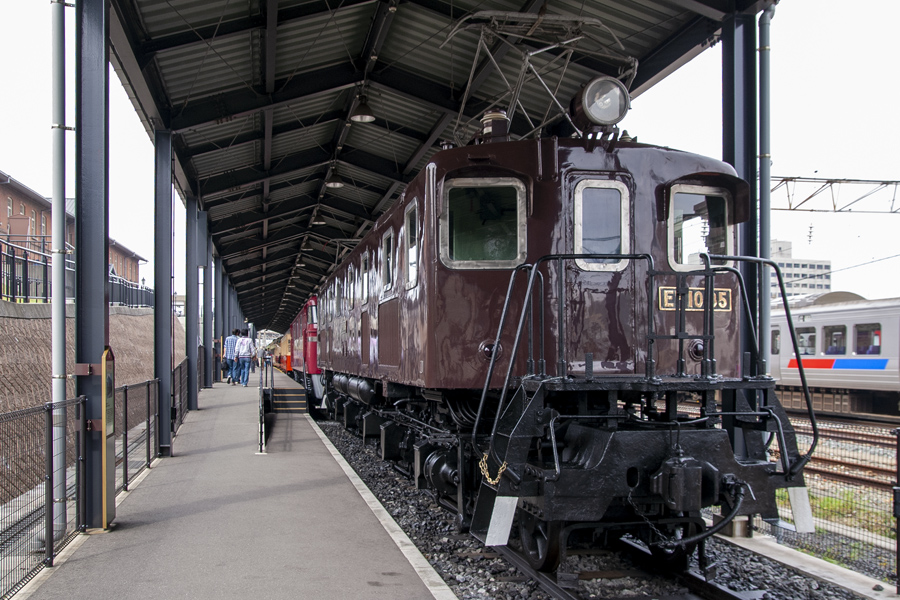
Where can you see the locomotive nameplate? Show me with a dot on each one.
(695, 299)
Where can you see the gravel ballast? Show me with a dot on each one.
(475, 572)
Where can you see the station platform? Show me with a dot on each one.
(220, 520)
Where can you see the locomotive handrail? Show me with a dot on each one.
(487, 381)
(649, 364)
(802, 460)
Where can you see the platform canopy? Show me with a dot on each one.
(261, 95)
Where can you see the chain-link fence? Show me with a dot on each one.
(850, 481)
(39, 448)
(136, 439)
(31, 440)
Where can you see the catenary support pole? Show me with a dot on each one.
(191, 299)
(58, 266)
(162, 282)
(92, 236)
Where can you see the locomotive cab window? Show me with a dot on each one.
(601, 223)
(483, 223)
(698, 223)
(868, 338)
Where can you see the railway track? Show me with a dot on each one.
(881, 475)
(562, 586)
(885, 440)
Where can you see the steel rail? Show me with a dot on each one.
(850, 478)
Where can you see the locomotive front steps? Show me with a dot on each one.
(289, 400)
(495, 507)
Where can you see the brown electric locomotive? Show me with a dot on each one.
(524, 330)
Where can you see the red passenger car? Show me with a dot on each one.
(304, 341)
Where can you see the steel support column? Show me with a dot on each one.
(191, 299)
(220, 310)
(206, 245)
(162, 281)
(229, 305)
(765, 181)
(91, 234)
(739, 137)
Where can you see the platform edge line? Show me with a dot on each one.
(437, 586)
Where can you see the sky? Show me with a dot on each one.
(833, 112)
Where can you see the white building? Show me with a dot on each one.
(802, 276)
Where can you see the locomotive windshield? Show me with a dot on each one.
(698, 223)
(601, 215)
(483, 223)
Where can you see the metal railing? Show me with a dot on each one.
(128, 293)
(180, 388)
(25, 274)
(179, 394)
(27, 441)
(136, 440)
(28, 444)
(266, 383)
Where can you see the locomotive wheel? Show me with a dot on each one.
(540, 542)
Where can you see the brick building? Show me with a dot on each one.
(25, 222)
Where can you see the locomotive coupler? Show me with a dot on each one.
(680, 483)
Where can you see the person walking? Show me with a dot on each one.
(229, 356)
(244, 349)
(261, 356)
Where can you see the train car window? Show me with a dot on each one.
(351, 285)
(338, 297)
(806, 340)
(601, 215)
(698, 222)
(387, 261)
(364, 268)
(835, 339)
(483, 223)
(868, 338)
(775, 346)
(412, 245)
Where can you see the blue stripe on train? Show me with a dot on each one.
(867, 364)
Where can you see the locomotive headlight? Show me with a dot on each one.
(604, 101)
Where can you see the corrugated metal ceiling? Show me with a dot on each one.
(258, 95)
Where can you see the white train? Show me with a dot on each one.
(850, 349)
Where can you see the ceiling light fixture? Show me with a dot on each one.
(362, 113)
(334, 180)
